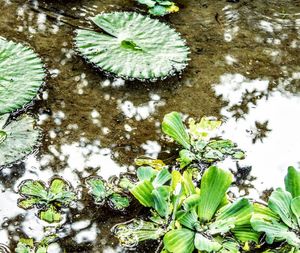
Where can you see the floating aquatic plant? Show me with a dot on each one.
(160, 7)
(208, 221)
(103, 192)
(133, 46)
(197, 142)
(280, 221)
(17, 138)
(21, 75)
(186, 216)
(27, 245)
(48, 200)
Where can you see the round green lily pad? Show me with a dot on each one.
(17, 138)
(21, 75)
(133, 46)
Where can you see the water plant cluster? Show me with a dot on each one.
(160, 7)
(187, 203)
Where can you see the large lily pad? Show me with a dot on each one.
(17, 138)
(21, 75)
(133, 46)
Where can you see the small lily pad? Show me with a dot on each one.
(17, 138)
(21, 75)
(133, 46)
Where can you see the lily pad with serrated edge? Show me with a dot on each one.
(21, 75)
(17, 138)
(133, 46)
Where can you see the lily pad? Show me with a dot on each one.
(133, 46)
(17, 138)
(21, 75)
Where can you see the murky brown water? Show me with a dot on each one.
(244, 68)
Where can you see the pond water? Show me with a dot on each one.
(244, 69)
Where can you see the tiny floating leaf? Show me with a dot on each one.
(133, 46)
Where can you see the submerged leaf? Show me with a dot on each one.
(134, 46)
(21, 136)
(21, 76)
(135, 231)
(172, 125)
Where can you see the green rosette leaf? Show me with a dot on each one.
(179, 241)
(172, 126)
(214, 185)
(292, 182)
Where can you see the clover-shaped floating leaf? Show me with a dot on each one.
(21, 75)
(17, 138)
(47, 200)
(133, 46)
(102, 192)
(280, 221)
